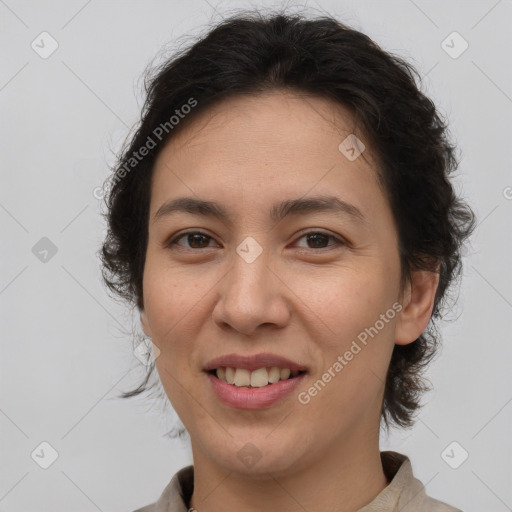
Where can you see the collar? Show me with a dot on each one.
(404, 493)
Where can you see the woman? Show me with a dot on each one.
(284, 222)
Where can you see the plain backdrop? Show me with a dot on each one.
(65, 347)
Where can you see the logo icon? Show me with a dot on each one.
(249, 454)
(454, 45)
(44, 250)
(44, 455)
(146, 352)
(44, 45)
(249, 249)
(454, 455)
(351, 147)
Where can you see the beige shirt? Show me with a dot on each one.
(404, 493)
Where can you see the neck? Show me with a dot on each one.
(344, 478)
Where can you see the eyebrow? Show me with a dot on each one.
(290, 207)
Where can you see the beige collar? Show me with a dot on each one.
(404, 493)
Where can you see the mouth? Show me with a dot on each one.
(259, 378)
(253, 381)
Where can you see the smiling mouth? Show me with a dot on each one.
(262, 377)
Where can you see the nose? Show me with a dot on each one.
(252, 295)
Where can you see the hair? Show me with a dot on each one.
(251, 53)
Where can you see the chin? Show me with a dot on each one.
(258, 457)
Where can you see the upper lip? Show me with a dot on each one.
(254, 362)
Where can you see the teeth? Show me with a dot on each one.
(230, 375)
(256, 379)
(242, 377)
(259, 378)
(274, 374)
(285, 373)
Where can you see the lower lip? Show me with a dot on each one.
(253, 398)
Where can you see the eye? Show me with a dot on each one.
(195, 238)
(318, 238)
(200, 240)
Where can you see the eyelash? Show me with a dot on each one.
(171, 243)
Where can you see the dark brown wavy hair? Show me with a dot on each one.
(250, 53)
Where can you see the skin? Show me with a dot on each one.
(298, 299)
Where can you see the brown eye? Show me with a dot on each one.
(195, 239)
(199, 240)
(319, 240)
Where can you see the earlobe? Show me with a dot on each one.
(417, 307)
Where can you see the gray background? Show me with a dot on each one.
(65, 352)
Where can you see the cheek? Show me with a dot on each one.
(345, 301)
(349, 396)
(355, 312)
(175, 305)
(351, 380)
(169, 296)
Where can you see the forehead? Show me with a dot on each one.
(270, 118)
(274, 145)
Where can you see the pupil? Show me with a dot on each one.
(196, 236)
(317, 236)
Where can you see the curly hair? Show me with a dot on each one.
(250, 53)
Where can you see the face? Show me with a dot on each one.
(308, 285)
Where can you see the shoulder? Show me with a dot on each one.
(428, 504)
(147, 508)
(409, 492)
(176, 494)
(433, 505)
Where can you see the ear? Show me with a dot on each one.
(417, 306)
(145, 323)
